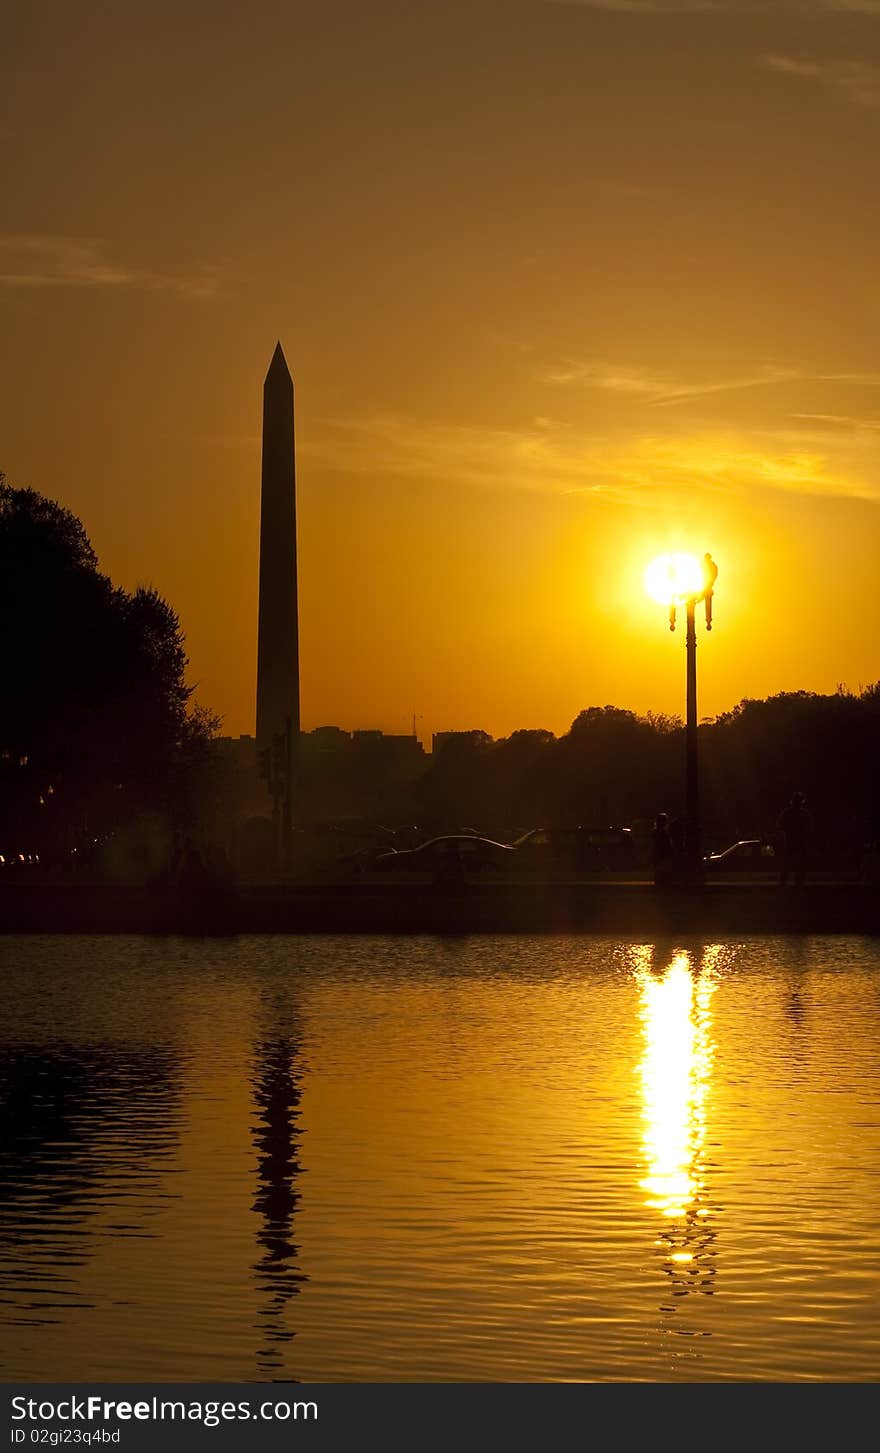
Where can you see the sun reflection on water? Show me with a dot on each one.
(675, 1078)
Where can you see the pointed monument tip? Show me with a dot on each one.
(279, 365)
(278, 359)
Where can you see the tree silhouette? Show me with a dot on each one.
(95, 728)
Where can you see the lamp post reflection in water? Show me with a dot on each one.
(675, 1074)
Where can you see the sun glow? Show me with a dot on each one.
(672, 579)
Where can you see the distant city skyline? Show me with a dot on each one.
(562, 286)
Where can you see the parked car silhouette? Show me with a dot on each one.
(748, 855)
(591, 849)
(474, 854)
(358, 860)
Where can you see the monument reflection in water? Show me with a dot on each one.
(276, 1091)
(675, 1075)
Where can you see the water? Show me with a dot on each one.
(335, 1159)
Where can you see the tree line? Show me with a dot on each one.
(614, 767)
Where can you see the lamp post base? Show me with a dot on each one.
(692, 874)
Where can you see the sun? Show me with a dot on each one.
(673, 579)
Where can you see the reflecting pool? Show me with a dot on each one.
(490, 1158)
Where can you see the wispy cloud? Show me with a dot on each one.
(31, 261)
(729, 7)
(656, 388)
(642, 469)
(857, 82)
(846, 422)
(647, 7)
(614, 378)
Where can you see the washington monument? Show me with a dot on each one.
(278, 636)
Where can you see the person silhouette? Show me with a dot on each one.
(450, 874)
(795, 825)
(710, 575)
(662, 849)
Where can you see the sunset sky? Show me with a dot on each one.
(561, 285)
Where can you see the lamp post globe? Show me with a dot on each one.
(677, 581)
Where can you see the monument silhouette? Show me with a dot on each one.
(278, 628)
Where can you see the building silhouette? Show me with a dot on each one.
(278, 628)
(459, 742)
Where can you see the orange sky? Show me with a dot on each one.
(561, 285)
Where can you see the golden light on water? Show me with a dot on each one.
(675, 1075)
(672, 579)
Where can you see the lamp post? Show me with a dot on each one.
(680, 580)
(692, 835)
